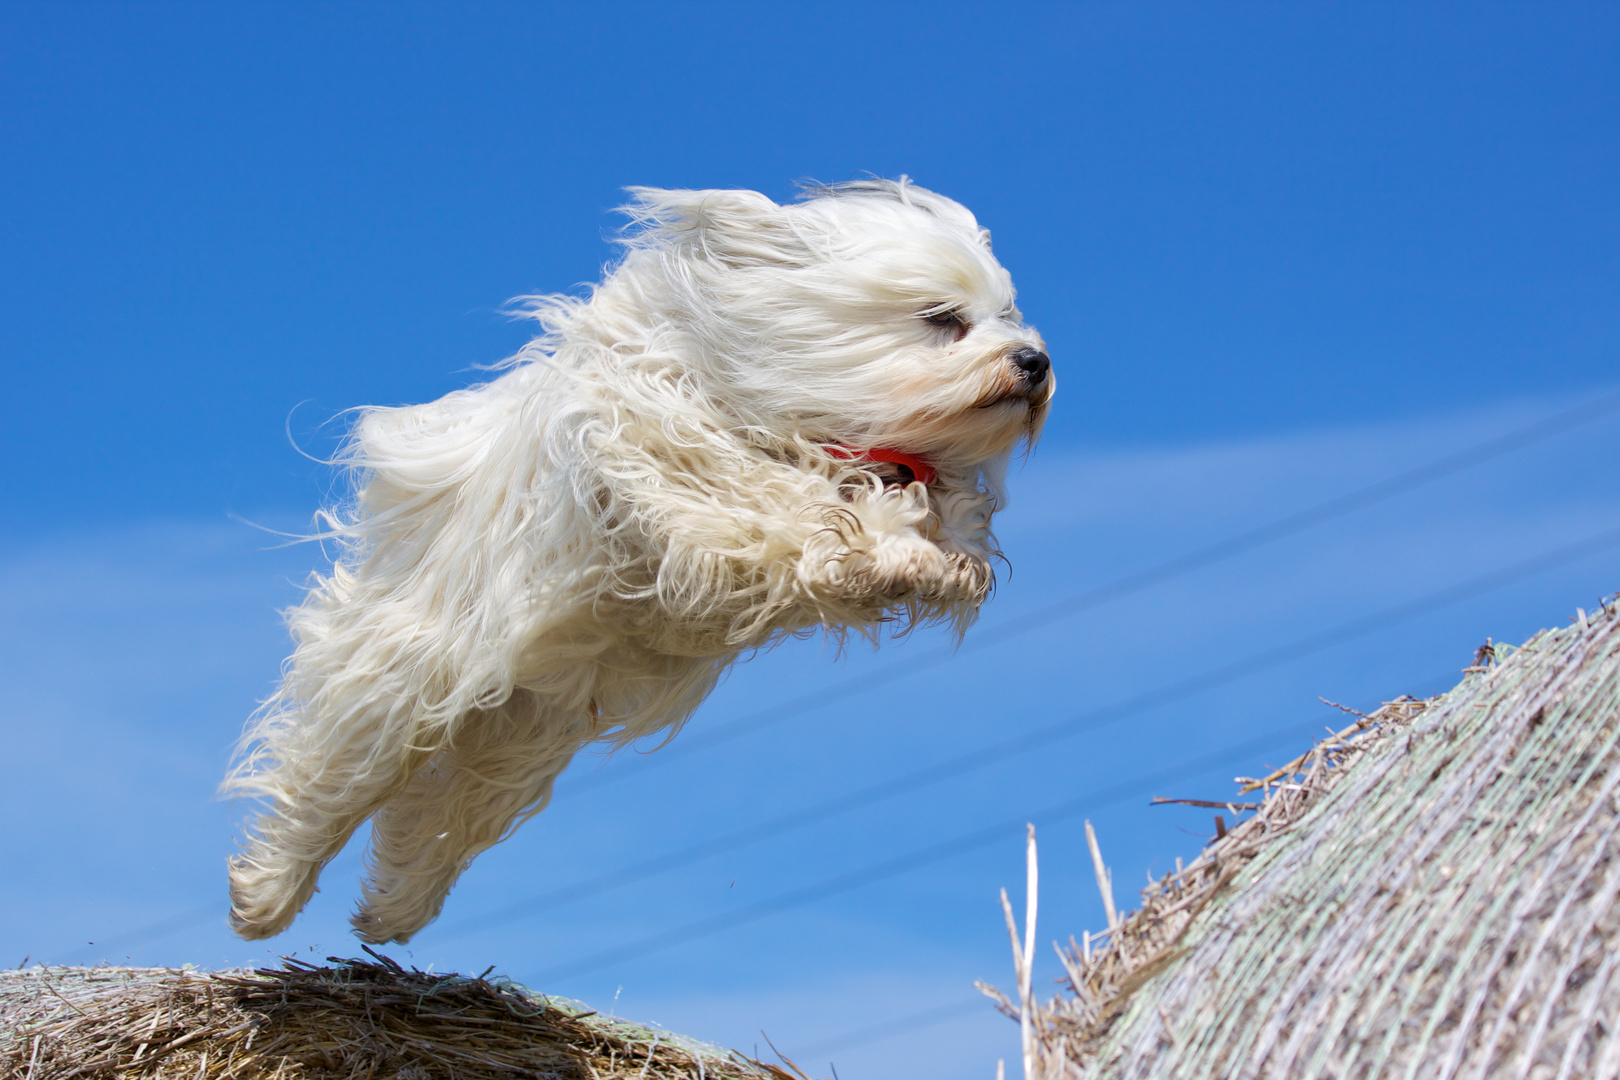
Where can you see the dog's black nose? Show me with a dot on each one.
(1035, 365)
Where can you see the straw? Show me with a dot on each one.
(358, 1018)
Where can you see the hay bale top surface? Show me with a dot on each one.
(353, 1019)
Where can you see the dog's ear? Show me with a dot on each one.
(736, 228)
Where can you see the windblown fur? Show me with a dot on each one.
(669, 476)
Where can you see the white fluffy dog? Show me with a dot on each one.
(766, 418)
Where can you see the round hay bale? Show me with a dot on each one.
(1429, 894)
(355, 1020)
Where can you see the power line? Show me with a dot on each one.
(1084, 722)
(1130, 584)
(1279, 529)
(910, 1022)
(891, 867)
(899, 864)
(900, 1025)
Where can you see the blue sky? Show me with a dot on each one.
(1279, 252)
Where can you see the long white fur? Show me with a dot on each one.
(575, 551)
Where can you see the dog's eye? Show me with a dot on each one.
(953, 321)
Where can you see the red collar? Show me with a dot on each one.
(920, 469)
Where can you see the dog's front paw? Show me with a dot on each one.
(898, 568)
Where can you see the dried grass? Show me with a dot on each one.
(356, 1019)
(1432, 892)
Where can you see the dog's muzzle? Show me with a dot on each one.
(1023, 375)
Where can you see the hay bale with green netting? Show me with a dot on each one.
(357, 1019)
(1429, 894)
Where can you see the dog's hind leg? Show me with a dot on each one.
(322, 782)
(496, 772)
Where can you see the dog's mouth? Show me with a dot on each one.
(1033, 402)
(1017, 391)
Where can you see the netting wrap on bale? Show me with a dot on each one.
(355, 1020)
(1429, 894)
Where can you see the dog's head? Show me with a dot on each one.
(867, 315)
